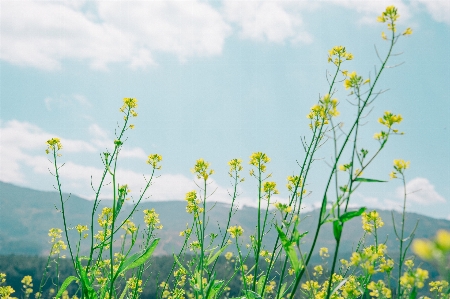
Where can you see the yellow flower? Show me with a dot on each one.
(153, 160)
(443, 240)
(81, 228)
(318, 270)
(270, 188)
(423, 248)
(259, 160)
(393, 175)
(400, 165)
(383, 35)
(408, 31)
(151, 218)
(323, 252)
(228, 255)
(390, 119)
(235, 231)
(201, 169)
(53, 144)
(353, 80)
(283, 208)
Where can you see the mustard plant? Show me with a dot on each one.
(102, 273)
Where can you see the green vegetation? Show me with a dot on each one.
(118, 262)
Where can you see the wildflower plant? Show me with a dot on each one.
(102, 273)
(278, 270)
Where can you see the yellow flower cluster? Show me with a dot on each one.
(129, 104)
(283, 208)
(134, 283)
(315, 290)
(53, 144)
(390, 15)
(201, 169)
(293, 181)
(235, 231)
(351, 288)
(235, 165)
(379, 289)
(81, 228)
(27, 285)
(153, 160)
(228, 255)
(323, 111)
(106, 217)
(57, 243)
(371, 221)
(390, 119)
(151, 218)
(259, 160)
(369, 257)
(270, 288)
(399, 165)
(193, 203)
(5, 291)
(338, 54)
(270, 188)
(323, 252)
(439, 286)
(353, 81)
(437, 250)
(411, 278)
(129, 227)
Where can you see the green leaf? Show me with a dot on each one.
(260, 285)
(178, 262)
(352, 214)
(216, 255)
(251, 295)
(216, 286)
(337, 229)
(124, 291)
(290, 250)
(137, 259)
(282, 290)
(369, 180)
(65, 284)
(86, 285)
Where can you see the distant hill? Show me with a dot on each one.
(26, 215)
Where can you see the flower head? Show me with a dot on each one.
(153, 160)
(53, 144)
(201, 169)
(235, 231)
(259, 160)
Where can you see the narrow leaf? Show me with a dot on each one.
(290, 250)
(352, 214)
(337, 229)
(137, 259)
(369, 180)
(85, 283)
(216, 255)
(65, 284)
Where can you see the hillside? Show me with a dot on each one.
(26, 216)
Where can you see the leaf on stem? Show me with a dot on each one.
(65, 284)
(369, 180)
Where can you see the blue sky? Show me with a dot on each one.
(217, 80)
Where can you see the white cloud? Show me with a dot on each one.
(421, 191)
(22, 147)
(438, 9)
(272, 21)
(43, 33)
(369, 10)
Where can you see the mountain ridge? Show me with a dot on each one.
(26, 215)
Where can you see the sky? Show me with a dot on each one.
(218, 80)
